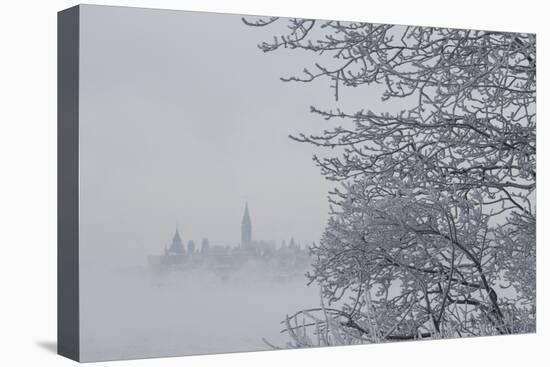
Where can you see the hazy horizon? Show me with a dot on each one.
(190, 123)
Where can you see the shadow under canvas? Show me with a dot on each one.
(48, 345)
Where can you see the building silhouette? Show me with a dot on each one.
(224, 259)
(246, 229)
(176, 247)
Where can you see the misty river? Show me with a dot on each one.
(137, 313)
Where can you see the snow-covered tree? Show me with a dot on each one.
(432, 228)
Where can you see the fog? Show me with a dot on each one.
(135, 315)
(182, 121)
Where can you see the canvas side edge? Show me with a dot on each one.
(68, 329)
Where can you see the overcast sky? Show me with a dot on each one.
(182, 120)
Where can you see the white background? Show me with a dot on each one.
(28, 182)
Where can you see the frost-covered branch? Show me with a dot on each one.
(433, 214)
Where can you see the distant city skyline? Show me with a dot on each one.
(247, 235)
(278, 259)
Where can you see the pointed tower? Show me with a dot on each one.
(176, 248)
(246, 229)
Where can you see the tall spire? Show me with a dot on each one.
(177, 245)
(246, 228)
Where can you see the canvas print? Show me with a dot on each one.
(254, 183)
